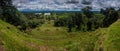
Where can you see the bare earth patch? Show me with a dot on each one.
(2, 48)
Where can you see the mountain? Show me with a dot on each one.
(63, 5)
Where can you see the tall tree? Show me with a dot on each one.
(89, 14)
(87, 11)
(78, 20)
(111, 15)
(11, 14)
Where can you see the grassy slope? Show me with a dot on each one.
(57, 38)
(112, 41)
(14, 40)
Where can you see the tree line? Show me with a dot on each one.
(88, 20)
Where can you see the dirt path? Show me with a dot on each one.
(2, 48)
(43, 48)
(99, 43)
(46, 48)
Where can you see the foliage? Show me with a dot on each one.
(13, 16)
(111, 15)
(87, 20)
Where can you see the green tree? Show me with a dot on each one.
(87, 11)
(12, 15)
(89, 14)
(111, 15)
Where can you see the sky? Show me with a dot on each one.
(64, 5)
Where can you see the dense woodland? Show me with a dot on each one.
(86, 20)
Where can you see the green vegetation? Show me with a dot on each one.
(87, 20)
(112, 41)
(59, 37)
(53, 38)
(13, 39)
(56, 38)
(11, 15)
(79, 31)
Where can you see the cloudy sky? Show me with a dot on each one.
(64, 4)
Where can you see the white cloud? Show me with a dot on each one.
(61, 5)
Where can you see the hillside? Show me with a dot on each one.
(59, 37)
(47, 37)
(112, 41)
(11, 39)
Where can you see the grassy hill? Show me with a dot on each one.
(50, 38)
(11, 39)
(60, 38)
(112, 41)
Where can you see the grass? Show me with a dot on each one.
(47, 37)
(59, 37)
(13, 39)
(112, 41)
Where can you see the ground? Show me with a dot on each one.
(50, 38)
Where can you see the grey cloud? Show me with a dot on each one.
(62, 5)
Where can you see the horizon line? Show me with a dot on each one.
(48, 11)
